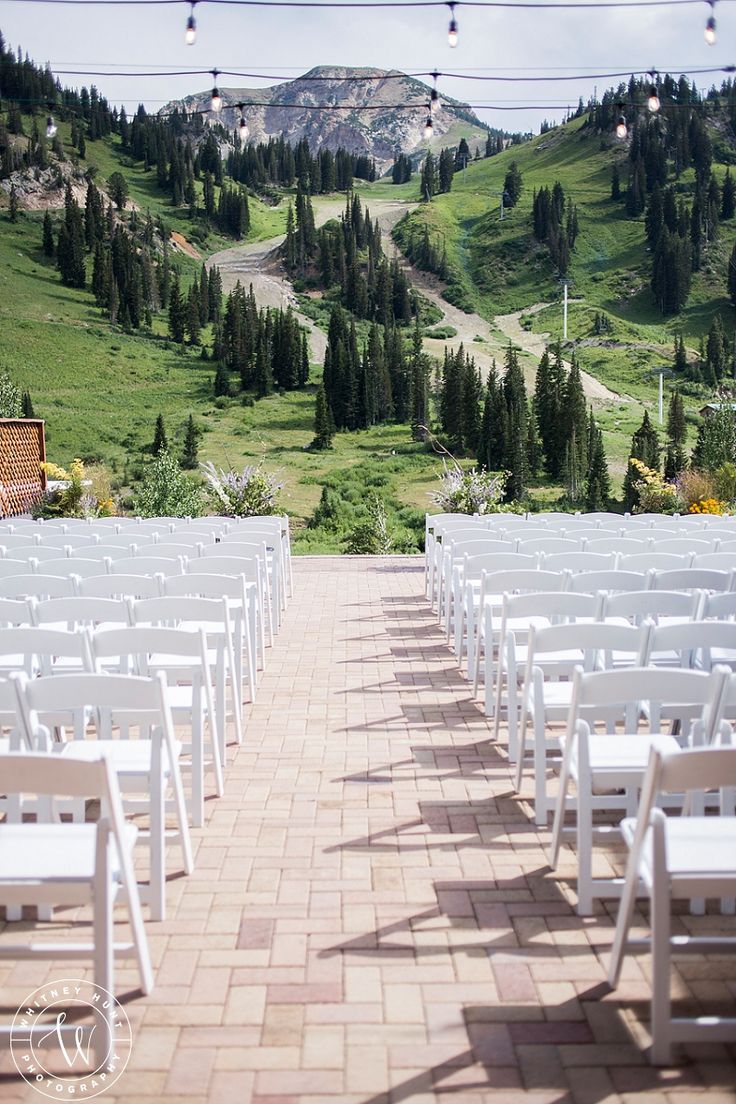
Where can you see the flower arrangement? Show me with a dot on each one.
(707, 506)
(654, 493)
(251, 492)
(81, 494)
(469, 492)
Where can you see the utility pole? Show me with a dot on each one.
(564, 313)
(501, 194)
(661, 398)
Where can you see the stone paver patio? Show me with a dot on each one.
(372, 919)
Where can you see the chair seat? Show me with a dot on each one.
(623, 753)
(128, 757)
(697, 847)
(41, 853)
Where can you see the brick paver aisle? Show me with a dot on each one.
(372, 919)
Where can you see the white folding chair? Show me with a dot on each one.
(467, 574)
(691, 578)
(252, 571)
(722, 607)
(695, 644)
(148, 565)
(212, 615)
(118, 585)
(10, 568)
(613, 545)
(182, 656)
(38, 586)
(716, 561)
(676, 858)
(552, 655)
(607, 768)
(15, 612)
(80, 568)
(685, 546)
(659, 606)
(145, 766)
(520, 613)
(548, 546)
(654, 561)
(53, 862)
(578, 561)
(590, 582)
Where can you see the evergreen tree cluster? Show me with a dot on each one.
(375, 384)
(569, 441)
(347, 254)
(425, 252)
(557, 232)
(267, 347)
(401, 169)
(202, 304)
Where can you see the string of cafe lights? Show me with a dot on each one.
(190, 32)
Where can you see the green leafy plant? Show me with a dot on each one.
(166, 491)
(371, 537)
(11, 403)
(79, 493)
(469, 492)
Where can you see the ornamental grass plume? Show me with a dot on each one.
(251, 492)
(469, 492)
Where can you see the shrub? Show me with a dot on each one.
(166, 491)
(724, 482)
(11, 404)
(654, 495)
(82, 494)
(371, 537)
(250, 493)
(694, 486)
(469, 492)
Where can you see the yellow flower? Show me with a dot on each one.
(53, 471)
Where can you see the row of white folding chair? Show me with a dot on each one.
(607, 768)
(51, 862)
(678, 858)
(115, 706)
(485, 611)
(46, 649)
(586, 573)
(553, 650)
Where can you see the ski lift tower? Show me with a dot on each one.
(661, 370)
(566, 282)
(505, 201)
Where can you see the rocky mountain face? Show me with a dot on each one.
(368, 121)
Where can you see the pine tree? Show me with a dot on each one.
(221, 385)
(191, 445)
(491, 444)
(192, 315)
(615, 183)
(515, 435)
(177, 312)
(575, 422)
(160, 440)
(27, 405)
(512, 185)
(323, 423)
(597, 484)
(48, 235)
(644, 447)
(728, 196)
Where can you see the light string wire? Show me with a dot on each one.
(535, 5)
(434, 74)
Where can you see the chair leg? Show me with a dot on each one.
(181, 818)
(661, 1002)
(540, 769)
(104, 948)
(157, 842)
(559, 818)
(584, 832)
(623, 922)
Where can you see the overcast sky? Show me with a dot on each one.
(285, 42)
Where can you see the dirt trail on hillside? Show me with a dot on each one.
(259, 264)
(536, 343)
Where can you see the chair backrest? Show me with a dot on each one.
(44, 646)
(578, 561)
(474, 564)
(548, 546)
(685, 546)
(617, 696)
(174, 609)
(53, 775)
(590, 582)
(144, 641)
(245, 548)
(691, 578)
(622, 546)
(456, 551)
(638, 605)
(691, 641)
(41, 553)
(727, 545)
(83, 569)
(148, 565)
(597, 641)
(604, 517)
(720, 606)
(15, 611)
(131, 700)
(117, 585)
(719, 561)
(171, 550)
(558, 606)
(10, 541)
(249, 567)
(204, 585)
(104, 551)
(510, 580)
(79, 612)
(38, 586)
(682, 772)
(183, 539)
(9, 568)
(658, 561)
(77, 540)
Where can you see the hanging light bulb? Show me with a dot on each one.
(242, 124)
(653, 102)
(428, 126)
(710, 26)
(216, 101)
(621, 128)
(190, 35)
(434, 94)
(452, 29)
(51, 127)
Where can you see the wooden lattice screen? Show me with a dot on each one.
(22, 451)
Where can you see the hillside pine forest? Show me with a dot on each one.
(349, 322)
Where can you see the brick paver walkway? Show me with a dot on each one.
(372, 919)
